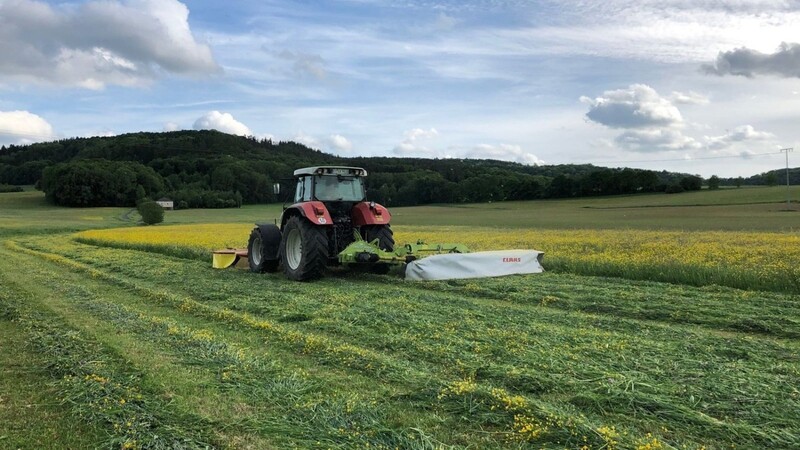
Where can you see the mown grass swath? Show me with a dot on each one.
(556, 360)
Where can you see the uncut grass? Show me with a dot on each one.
(744, 311)
(738, 358)
(761, 261)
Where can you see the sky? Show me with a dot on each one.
(708, 87)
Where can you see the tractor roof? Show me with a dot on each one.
(331, 170)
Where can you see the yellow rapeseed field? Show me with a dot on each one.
(204, 237)
(740, 259)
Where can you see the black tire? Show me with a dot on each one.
(383, 233)
(304, 249)
(385, 237)
(262, 249)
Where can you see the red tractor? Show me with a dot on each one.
(330, 212)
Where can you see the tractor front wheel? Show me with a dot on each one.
(262, 248)
(304, 249)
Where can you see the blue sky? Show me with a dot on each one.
(703, 86)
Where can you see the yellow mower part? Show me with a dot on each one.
(222, 259)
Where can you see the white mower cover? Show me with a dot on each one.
(475, 265)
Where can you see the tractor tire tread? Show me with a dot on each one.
(314, 254)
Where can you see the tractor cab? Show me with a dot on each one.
(330, 184)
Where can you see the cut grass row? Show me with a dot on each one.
(511, 366)
(31, 416)
(101, 386)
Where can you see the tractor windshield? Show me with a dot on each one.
(331, 188)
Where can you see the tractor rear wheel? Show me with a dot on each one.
(304, 249)
(385, 237)
(262, 248)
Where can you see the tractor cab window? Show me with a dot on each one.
(303, 191)
(328, 188)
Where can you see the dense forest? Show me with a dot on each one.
(771, 178)
(212, 169)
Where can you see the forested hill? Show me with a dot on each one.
(213, 169)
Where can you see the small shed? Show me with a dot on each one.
(166, 203)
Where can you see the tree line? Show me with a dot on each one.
(209, 169)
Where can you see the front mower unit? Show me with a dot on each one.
(363, 252)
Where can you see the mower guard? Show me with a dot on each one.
(445, 261)
(476, 265)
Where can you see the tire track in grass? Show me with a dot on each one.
(645, 403)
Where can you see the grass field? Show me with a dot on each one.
(131, 344)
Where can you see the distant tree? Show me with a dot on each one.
(8, 188)
(713, 182)
(151, 212)
(691, 183)
(561, 186)
(98, 183)
(771, 179)
(738, 181)
(140, 193)
(674, 189)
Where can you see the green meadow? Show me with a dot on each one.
(117, 348)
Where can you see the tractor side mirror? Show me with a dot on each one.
(276, 189)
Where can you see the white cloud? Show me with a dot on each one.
(415, 141)
(23, 127)
(306, 65)
(103, 133)
(504, 152)
(224, 122)
(688, 98)
(266, 136)
(784, 62)
(127, 42)
(650, 122)
(171, 126)
(339, 143)
(737, 135)
(308, 141)
(445, 22)
(656, 139)
(638, 106)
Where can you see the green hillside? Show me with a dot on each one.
(216, 170)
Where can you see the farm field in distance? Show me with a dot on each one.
(663, 321)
